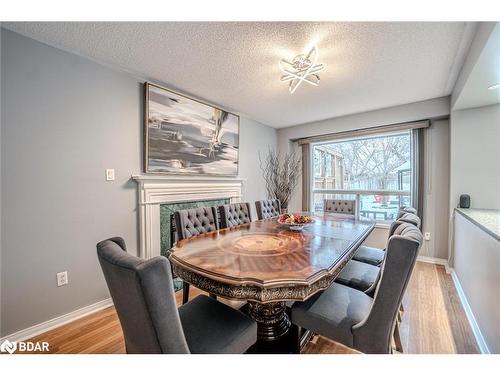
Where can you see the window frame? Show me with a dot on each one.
(359, 192)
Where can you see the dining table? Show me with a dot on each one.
(269, 265)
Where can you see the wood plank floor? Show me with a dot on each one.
(433, 322)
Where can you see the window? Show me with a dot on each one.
(376, 171)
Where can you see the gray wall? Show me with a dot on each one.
(475, 156)
(65, 120)
(477, 256)
(255, 138)
(474, 161)
(436, 186)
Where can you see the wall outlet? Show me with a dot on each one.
(110, 174)
(62, 278)
(427, 236)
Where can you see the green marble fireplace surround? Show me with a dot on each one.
(166, 217)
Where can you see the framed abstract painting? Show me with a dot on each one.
(186, 136)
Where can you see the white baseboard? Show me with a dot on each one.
(432, 260)
(57, 322)
(483, 347)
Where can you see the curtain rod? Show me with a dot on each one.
(364, 131)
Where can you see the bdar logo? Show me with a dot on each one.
(24, 346)
(8, 346)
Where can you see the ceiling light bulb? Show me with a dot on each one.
(494, 86)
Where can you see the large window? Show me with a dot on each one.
(375, 171)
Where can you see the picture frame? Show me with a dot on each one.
(187, 136)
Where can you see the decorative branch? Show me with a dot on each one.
(280, 174)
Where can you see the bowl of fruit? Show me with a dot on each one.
(295, 221)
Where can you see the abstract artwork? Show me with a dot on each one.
(185, 136)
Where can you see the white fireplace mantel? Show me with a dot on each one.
(154, 190)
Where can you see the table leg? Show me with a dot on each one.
(272, 319)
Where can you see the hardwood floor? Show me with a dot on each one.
(433, 322)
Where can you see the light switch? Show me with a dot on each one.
(110, 174)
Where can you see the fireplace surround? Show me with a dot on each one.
(155, 190)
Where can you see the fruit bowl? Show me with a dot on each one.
(295, 221)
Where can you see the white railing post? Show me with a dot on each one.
(358, 206)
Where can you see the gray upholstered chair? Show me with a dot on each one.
(268, 208)
(340, 206)
(372, 255)
(194, 222)
(375, 256)
(355, 319)
(411, 218)
(361, 275)
(406, 210)
(143, 295)
(234, 214)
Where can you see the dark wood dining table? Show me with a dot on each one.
(268, 264)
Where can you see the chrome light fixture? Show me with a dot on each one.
(303, 68)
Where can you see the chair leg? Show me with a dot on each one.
(397, 338)
(185, 292)
(296, 338)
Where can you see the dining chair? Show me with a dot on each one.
(234, 214)
(268, 208)
(375, 256)
(360, 276)
(340, 206)
(351, 317)
(372, 255)
(193, 222)
(411, 218)
(406, 210)
(143, 295)
(363, 276)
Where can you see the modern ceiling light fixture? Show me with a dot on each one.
(303, 68)
(494, 86)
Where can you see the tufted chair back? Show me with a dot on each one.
(267, 209)
(143, 295)
(373, 334)
(406, 210)
(411, 218)
(234, 214)
(195, 221)
(340, 206)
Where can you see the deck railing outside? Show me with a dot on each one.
(380, 205)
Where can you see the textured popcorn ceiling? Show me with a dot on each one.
(235, 65)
